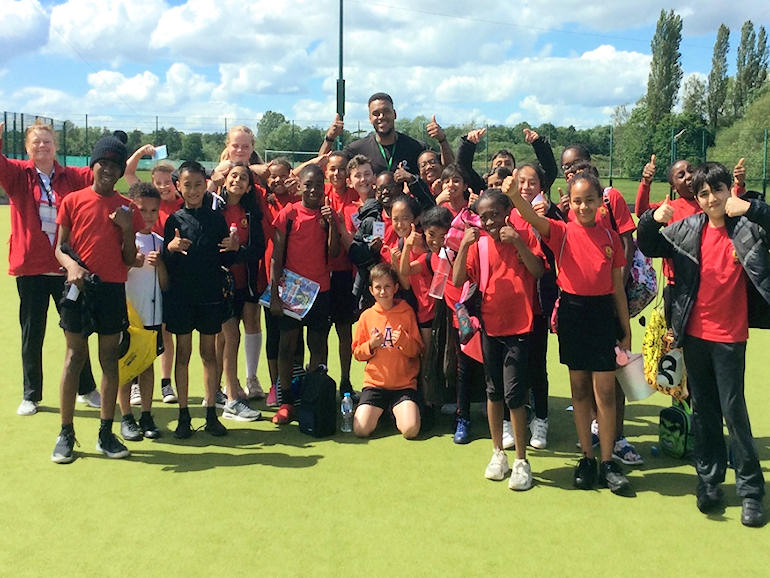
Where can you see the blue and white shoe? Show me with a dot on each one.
(626, 454)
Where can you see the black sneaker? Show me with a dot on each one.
(183, 428)
(110, 446)
(148, 427)
(610, 476)
(215, 427)
(129, 429)
(708, 497)
(585, 473)
(63, 451)
(347, 387)
(752, 514)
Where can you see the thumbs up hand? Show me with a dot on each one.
(507, 233)
(179, 244)
(648, 172)
(736, 206)
(739, 173)
(665, 212)
(434, 130)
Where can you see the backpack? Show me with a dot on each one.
(317, 415)
(642, 284)
(676, 437)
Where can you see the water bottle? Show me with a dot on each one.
(347, 413)
(233, 228)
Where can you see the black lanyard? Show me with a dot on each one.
(48, 190)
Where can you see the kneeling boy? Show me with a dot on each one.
(388, 339)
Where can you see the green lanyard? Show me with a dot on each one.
(392, 155)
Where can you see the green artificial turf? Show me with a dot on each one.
(271, 501)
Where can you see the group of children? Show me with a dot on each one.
(426, 289)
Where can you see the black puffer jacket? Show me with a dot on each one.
(681, 242)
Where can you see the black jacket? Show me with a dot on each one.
(197, 277)
(543, 151)
(681, 242)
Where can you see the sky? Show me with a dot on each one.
(200, 65)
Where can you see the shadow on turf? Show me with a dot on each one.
(184, 462)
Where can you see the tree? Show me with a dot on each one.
(665, 68)
(743, 72)
(717, 83)
(192, 147)
(269, 122)
(694, 97)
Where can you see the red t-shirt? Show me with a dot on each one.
(346, 204)
(236, 215)
(306, 254)
(507, 303)
(720, 312)
(584, 266)
(420, 285)
(93, 236)
(269, 213)
(166, 208)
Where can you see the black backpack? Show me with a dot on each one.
(317, 415)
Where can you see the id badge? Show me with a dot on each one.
(48, 218)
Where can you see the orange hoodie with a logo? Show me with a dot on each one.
(396, 364)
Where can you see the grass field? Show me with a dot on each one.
(268, 500)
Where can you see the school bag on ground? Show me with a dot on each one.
(317, 415)
(675, 433)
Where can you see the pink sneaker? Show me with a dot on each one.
(272, 397)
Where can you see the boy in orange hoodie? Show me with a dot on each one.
(388, 339)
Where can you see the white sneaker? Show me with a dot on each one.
(93, 399)
(167, 391)
(240, 411)
(136, 395)
(254, 388)
(498, 467)
(508, 440)
(539, 429)
(521, 476)
(27, 407)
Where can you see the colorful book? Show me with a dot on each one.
(298, 294)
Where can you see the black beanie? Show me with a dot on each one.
(110, 148)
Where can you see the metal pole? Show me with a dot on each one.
(340, 85)
(156, 130)
(612, 147)
(86, 137)
(486, 149)
(764, 166)
(64, 141)
(703, 144)
(673, 147)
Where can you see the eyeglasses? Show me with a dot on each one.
(428, 163)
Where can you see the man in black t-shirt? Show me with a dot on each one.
(385, 147)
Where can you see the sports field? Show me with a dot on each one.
(271, 501)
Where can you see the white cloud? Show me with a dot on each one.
(24, 26)
(97, 31)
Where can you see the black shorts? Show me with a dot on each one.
(100, 308)
(158, 329)
(234, 307)
(506, 362)
(317, 319)
(387, 399)
(182, 318)
(343, 302)
(588, 330)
